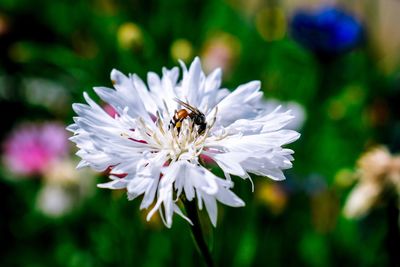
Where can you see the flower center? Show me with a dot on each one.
(186, 143)
(189, 135)
(182, 141)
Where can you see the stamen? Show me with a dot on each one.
(166, 106)
(144, 125)
(203, 137)
(174, 135)
(125, 135)
(214, 117)
(160, 123)
(157, 139)
(148, 135)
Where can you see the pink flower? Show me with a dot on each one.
(30, 148)
(221, 51)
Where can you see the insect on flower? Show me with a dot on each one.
(154, 145)
(195, 115)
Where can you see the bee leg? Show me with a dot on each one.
(178, 125)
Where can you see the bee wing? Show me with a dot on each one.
(186, 105)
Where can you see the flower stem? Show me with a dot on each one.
(197, 233)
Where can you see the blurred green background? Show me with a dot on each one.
(52, 51)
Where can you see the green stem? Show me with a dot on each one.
(197, 233)
(393, 231)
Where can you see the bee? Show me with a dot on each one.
(191, 112)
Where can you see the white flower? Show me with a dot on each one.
(64, 188)
(361, 199)
(148, 156)
(54, 201)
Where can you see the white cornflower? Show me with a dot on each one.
(152, 150)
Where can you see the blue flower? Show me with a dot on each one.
(329, 31)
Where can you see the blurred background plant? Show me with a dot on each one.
(334, 63)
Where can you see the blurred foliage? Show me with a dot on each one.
(52, 51)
